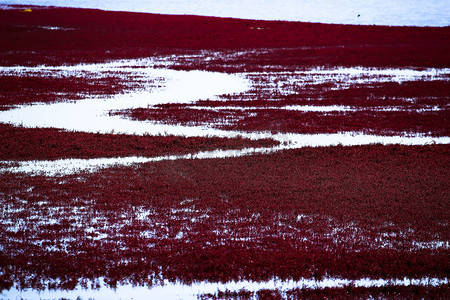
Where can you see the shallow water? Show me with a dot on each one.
(92, 115)
(171, 86)
(61, 167)
(171, 290)
(41, 214)
(393, 12)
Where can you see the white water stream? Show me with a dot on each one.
(172, 291)
(92, 114)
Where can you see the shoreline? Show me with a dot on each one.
(331, 12)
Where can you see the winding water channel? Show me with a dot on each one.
(173, 86)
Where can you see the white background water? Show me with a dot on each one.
(380, 12)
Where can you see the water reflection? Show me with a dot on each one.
(166, 86)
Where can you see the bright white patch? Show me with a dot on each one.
(55, 28)
(170, 290)
(91, 115)
(318, 108)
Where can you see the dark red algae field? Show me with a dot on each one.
(245, 203)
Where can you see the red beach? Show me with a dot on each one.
(285, 212)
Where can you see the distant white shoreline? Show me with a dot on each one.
(359, 12)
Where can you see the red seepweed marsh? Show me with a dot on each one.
(155, 153)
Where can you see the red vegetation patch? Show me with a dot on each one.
(93, 35)
(406, 95)
(27, 89)
(279, 120)
(372, 122)
(182, 115)
(351, 212)
(20, 143)
(383, 108)
(347, 292)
